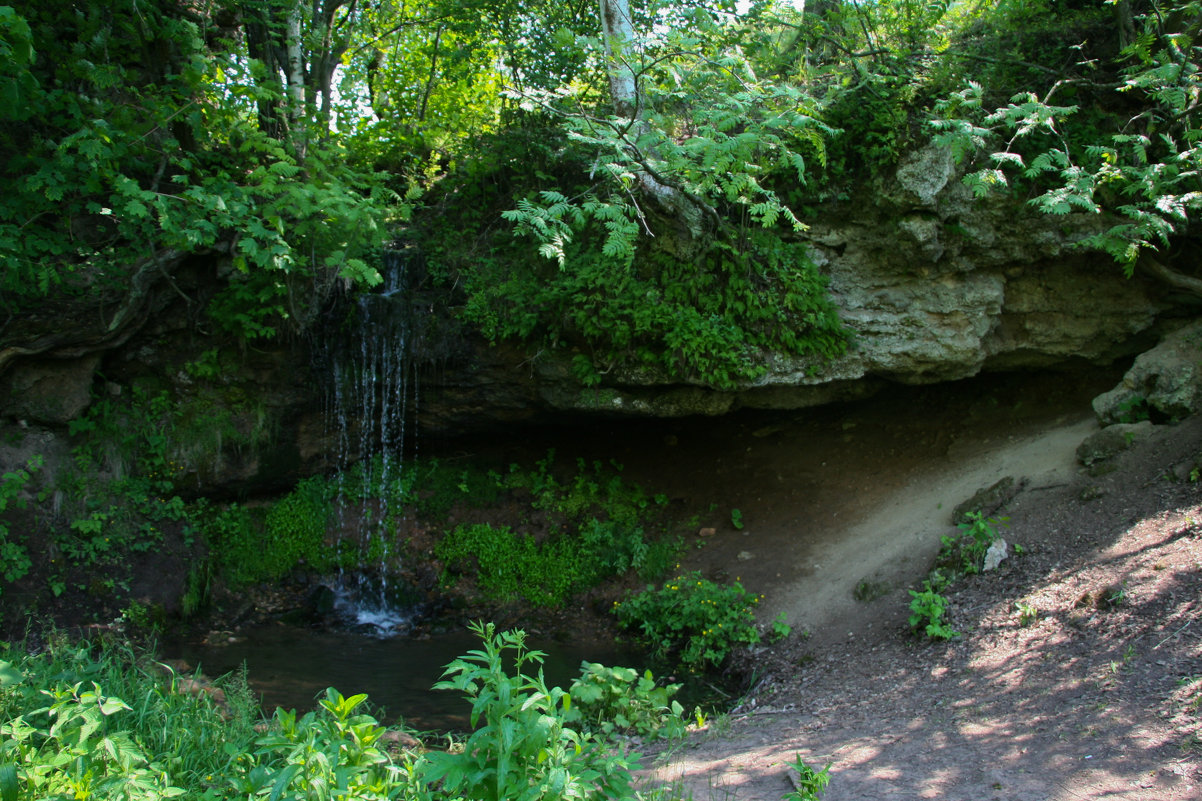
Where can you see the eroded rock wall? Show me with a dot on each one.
(934, 285)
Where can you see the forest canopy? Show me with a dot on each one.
(626, 182)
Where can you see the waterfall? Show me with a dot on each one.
(371, 391)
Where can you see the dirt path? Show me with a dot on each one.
(896, 540)
(1091, 699)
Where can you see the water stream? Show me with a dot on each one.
(372, 386)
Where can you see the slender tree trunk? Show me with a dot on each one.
(617, 34)
(617, 31)
(294, 67)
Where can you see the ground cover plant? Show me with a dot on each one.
(960, 555)
(595, 526)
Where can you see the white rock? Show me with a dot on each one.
(996, 554)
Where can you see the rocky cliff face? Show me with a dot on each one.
(935, 286)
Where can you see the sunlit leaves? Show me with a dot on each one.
(126, 158)
(1147, 175)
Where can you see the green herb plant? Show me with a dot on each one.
(620, 700)
(102, 721)
(811, 784)
(334, 751)
(521, 747)
(780, 628)
(927, 614)
(1027, 613)
(691, 620)
(965, 553)
(598, 527)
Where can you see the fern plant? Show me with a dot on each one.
(1148, 175)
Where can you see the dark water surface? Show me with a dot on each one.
(291, 667)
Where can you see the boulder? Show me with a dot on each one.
(1164, 382)
(1112, 440)
(51, 392)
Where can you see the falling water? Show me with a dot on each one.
(372, 385)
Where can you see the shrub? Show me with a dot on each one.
(618, 699)
(691, 620)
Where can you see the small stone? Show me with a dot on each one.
(707, 532)
(996, 554)
(745, 555)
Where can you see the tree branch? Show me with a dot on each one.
(1185, 283)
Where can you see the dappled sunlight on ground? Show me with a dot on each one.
(1090, 689)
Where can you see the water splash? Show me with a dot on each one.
(377, 608)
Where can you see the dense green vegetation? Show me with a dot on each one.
(621, 185)
(99, 720)
(633, 196)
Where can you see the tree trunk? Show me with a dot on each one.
(685, 213)
(294, 67)
(617, 31)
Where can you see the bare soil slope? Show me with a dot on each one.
(1096, 697)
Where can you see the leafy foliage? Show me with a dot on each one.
(508, 565)
(691, 620)
(927, 614)
(251, 548)
(1145, 174)
(99, 721)
(597, 530)
(139, 145)
(811, 784)
(619, 699)
(103, 722)
(966, 552)
(521, 746)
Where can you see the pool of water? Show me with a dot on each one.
(291, 667)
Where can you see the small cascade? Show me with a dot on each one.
(372, 387)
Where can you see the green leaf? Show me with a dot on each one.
(10, 676)
(10, 785)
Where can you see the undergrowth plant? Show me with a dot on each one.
(509, 565)
(14, 556)
(965, 553)
(620, 699)
(811, 784)
(253, 546)
(598, 527)
(101, 722)
(92, 720)
(927, 614)
(521, 747)
(691, 620)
